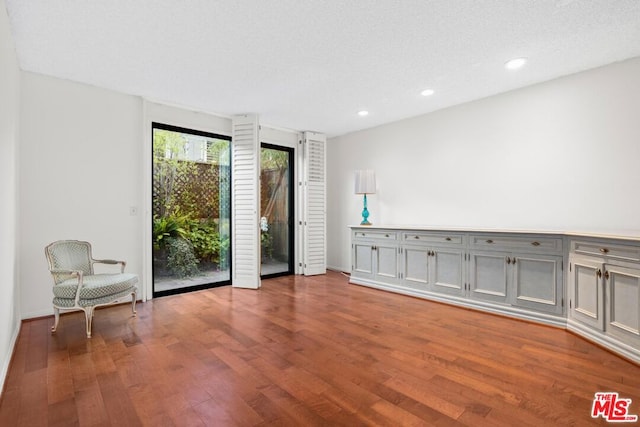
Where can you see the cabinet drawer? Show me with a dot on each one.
(520, 243)
(604, 249)
(376, 235)
(431, 238)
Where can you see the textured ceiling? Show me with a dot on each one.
(311, 64)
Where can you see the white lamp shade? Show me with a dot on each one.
(365, 182)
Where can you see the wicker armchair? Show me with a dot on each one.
(77, 287)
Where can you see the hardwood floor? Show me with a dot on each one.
(302, 352)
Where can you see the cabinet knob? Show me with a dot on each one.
(604, 250)
(489, 241)
(606, 274)
(535, 243)
(598, 273)
(416, 237)
(386, 235)
(448, 239)
(508, 260)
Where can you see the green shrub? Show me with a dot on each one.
(203, 235)
(205, 239)
(181, 259)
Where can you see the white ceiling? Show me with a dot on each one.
(312, 64)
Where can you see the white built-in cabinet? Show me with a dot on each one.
(523, 271)
(604, 292)
(433, 262)
(375, 256)
(512, 273)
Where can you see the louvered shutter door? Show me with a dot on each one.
(314, 204)
(245, 206)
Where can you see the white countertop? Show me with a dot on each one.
(633, 235)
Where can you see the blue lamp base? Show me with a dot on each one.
(365, 213)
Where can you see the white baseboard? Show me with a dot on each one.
(7, 357)
(36, 314)
(337, 269)
(605, 341)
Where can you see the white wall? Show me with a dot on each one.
(9, 123)
(562, 155)
(80, 172)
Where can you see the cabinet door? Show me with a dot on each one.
(623, 303)
(448, 271)
(416, 267)
(537, 282)
(488, 277)
(585, 290)
(386, 263)
(362, 260)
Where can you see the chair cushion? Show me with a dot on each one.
(71, 302)
(97, 286)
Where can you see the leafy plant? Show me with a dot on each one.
(205, 239)
(166, 227)
(181, 259)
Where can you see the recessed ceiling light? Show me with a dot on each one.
(515, 63)
(427, 92)
(363, 113)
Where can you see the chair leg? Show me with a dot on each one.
(56, 315)
(133, 303)
(88, 313)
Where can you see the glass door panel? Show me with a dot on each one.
(191, 210)
(276, 208)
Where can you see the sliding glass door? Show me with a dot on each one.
(276, 210)
(191, 209)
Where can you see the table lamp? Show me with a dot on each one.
(365, 184)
